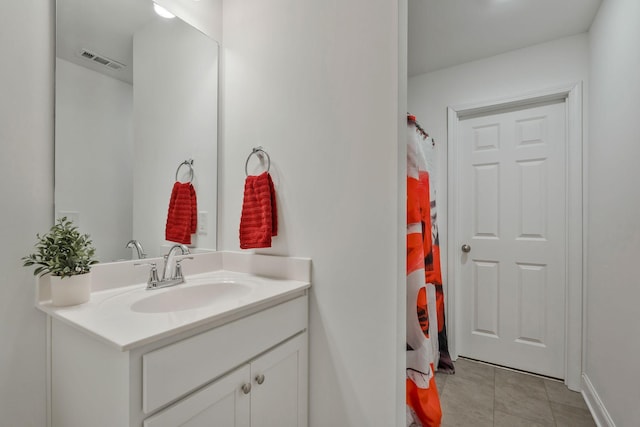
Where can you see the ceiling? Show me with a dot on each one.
(104, 27)
(444, 33)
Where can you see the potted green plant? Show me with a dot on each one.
(67, 255)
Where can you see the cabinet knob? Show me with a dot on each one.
(260, 379)
(246, 388)
(466, 248)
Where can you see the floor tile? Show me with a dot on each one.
(475, 418)
(500, 419)
(479, 395)
(527, 386)
(531, 409)
(475, 371)
(462, 409)
(559, 393)
(466, 403)
(468, 393)
(441, 381)
(476, 390)
(570, 416)
(523, 396)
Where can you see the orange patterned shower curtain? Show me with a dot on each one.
(426, 332)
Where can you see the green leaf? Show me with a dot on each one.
(63, 251)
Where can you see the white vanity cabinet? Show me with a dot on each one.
(278, 392)
(221, 403)
(270, 391)
(247, 371)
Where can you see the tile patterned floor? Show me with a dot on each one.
(483, 395)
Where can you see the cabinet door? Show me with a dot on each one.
(222, 403)
(281, 398)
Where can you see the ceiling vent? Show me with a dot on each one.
(100, 59)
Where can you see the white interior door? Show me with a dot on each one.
(512, 238)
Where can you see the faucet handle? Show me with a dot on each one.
(151, 263)
(153, 273)
(178, 273)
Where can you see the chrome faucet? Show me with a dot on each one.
(172, 272)
(138, 246)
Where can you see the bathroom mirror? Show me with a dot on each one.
(136, 96)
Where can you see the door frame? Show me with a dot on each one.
(571, 94)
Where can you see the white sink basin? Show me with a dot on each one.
(130, 316)
(183, 297)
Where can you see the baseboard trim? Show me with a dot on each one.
(598, 411)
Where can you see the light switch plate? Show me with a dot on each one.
(203, 222)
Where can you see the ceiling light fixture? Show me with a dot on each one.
(162, 11)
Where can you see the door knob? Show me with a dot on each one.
(260, 379)
(466, 248)
(246, 388)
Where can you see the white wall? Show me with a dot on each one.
(94, 139)
(511, 74)
(316, 84)
(26, 189)
(172, 123)
(613, 226)
(205, 15)
(401, 303)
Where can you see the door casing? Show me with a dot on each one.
(575, 211)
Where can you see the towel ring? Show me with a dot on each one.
(188, 163)
(258, 151)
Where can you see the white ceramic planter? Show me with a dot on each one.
(71, 290)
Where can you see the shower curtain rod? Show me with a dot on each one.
(420, 129)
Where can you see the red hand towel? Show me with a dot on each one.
(259, 220)
(182, 217)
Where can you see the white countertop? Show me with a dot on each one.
(124, 317)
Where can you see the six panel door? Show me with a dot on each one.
(513, 218)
